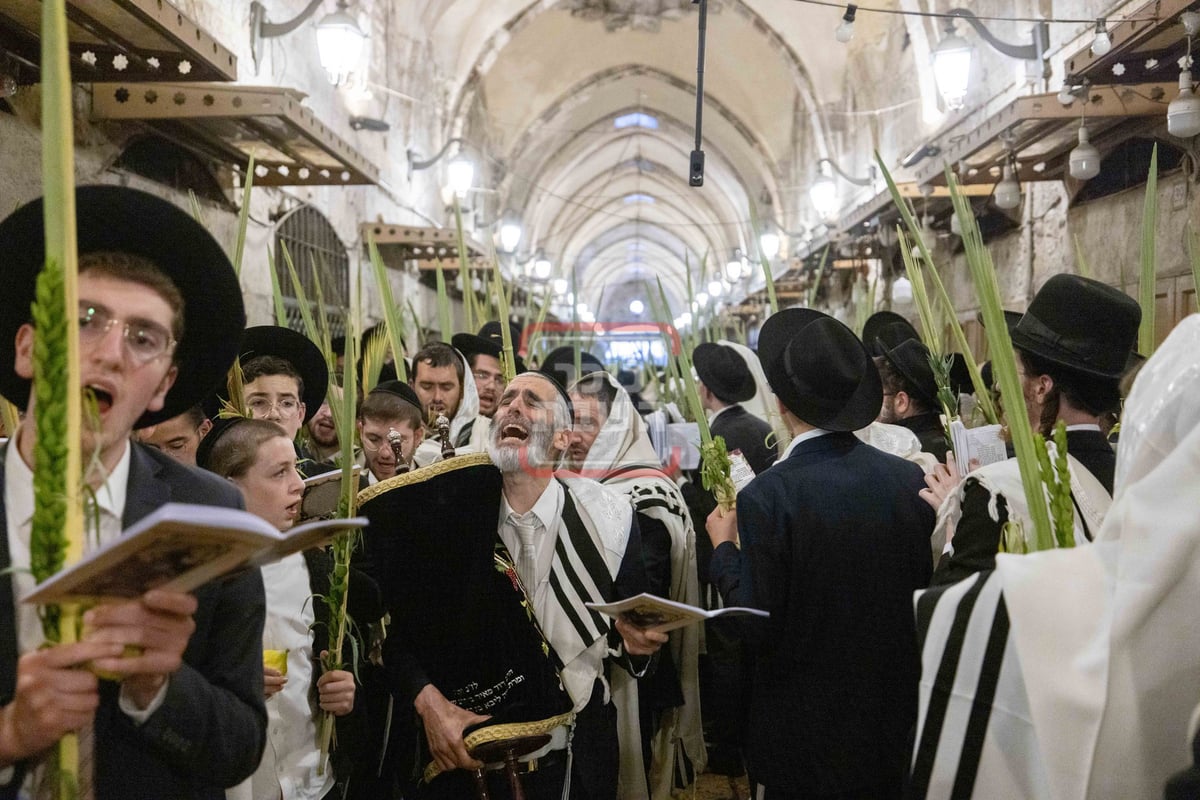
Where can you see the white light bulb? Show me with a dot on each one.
(902, 290)
(768, 244)
(845, 31)
(733, 270)
(1065, 95)
(702, 300)
(1183, 114)
(340, 44)
(636, 306)
(952, 69)
(824, 196)
(1008, 190)
(1102, 42)
(715, 288)
(559, 286)
(510, 236)
(1085, 158)
(460, 174)
(542, 268)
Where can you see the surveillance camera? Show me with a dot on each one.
(696, 172)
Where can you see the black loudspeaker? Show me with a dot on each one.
(696, 172)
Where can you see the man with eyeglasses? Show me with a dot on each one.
(390, 411)
(160, 316)
(284, 380)
(483, 352)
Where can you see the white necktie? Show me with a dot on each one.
(527, 557)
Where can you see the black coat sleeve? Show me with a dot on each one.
(976, 538)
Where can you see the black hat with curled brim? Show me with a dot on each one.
(490, 342)
(886, 329)
(724, 372)
(117, 219)
(559, 365)
(296, 349)
(911, 359)
(820, 370)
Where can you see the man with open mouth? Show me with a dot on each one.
(160, 318)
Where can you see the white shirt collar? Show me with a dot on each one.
(1084, 427)
(804, 437)
(718, 413)
(110, 496)
(547, 508)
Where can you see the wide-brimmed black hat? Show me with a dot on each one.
(1080, 324)
(121, 220)
(1011, 318)
(820, 370)
(724, 372)
(401, 390)
(490, 342)
(296, 349)
(559, 364)
(884, 330)
(911, 359)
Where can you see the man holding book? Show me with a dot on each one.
(910, 394)
(160, 317)
(1072, 346)
(833, 544)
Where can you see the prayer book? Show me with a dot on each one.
(181, 547)
(659, 614)
(322, 493)
(982, 444)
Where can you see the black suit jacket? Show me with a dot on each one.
(210, 730)
(743, 431)
(834, 541)
(928, 428)
(977, 536)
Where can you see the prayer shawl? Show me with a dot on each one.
(899, 441)
(623, 459)
(763, 404)
(1071, 674)
(468, 429)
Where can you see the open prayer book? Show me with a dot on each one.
(181, 547)
(322, 493)
(982, 444)
(659, 614)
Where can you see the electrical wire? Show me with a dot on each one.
(945, 15)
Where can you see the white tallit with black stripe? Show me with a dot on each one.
(623, 459)
(593, 531)
(1071, 674)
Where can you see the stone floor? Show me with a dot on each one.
(716, 787)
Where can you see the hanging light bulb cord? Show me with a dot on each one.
(946, 15)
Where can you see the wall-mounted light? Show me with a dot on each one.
(460, 172)
(510, 233)
(769, 244)
(340, 40)
(952, 56)
(824, 194)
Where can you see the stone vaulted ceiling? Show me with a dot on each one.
(538, 88)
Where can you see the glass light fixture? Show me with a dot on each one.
(636, 307)
(460, 174)
(1008, 190)
(702, 300)
(559, 286)
(952, 68)
(824, 194)
(733, 269)
(1102, 42)
(510, 235)
(1183, 114)
(845, 31)
(1085, 158)
(340, 43)
(902, 290)
(715, 288)
(768, 244)
(542, 268)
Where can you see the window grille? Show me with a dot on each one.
(316, 251)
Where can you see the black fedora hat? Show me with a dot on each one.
(490, 342)
(820, 370)
(559, 365)
(120, 220)
(886, 329)
(911, 359)
(401, 390)
(1081, 324)
(296, 349)
(1011, 318)
(724, 372)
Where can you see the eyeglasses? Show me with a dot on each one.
(144, 340)
(373, 443)
(489, 377)
(260, 407)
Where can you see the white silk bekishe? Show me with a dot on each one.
(1100, 672)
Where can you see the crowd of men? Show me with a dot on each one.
(1054, 674)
